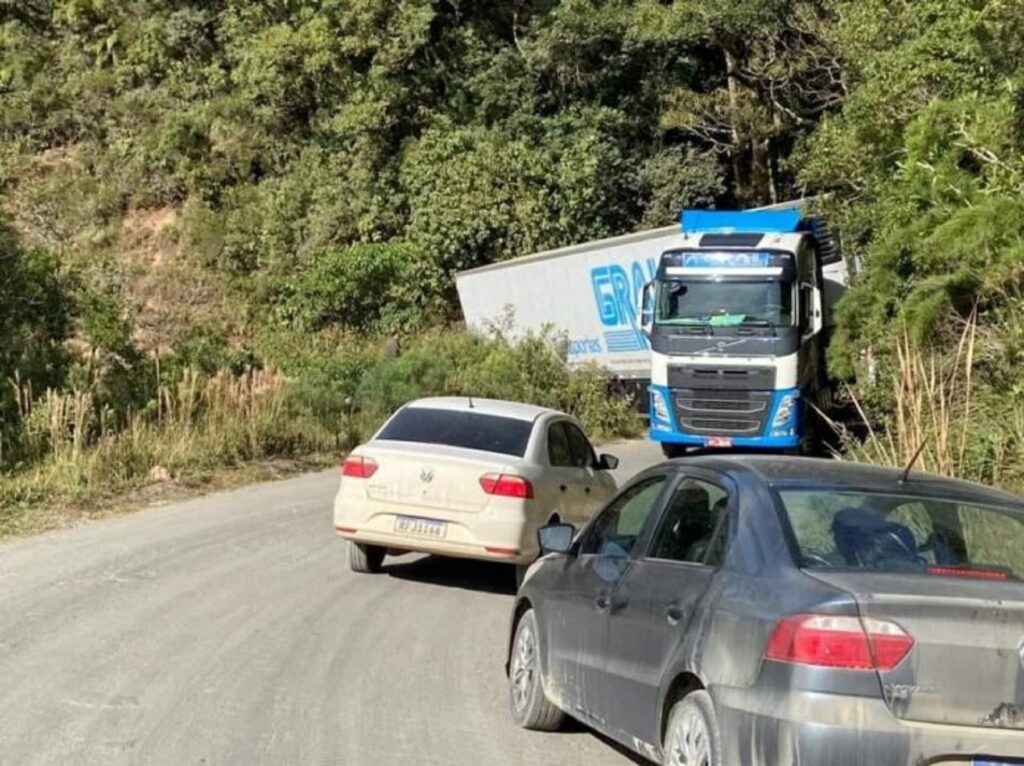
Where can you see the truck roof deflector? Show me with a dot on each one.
(740, 221)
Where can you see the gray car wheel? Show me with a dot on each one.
(530, 706)
(366, 559)
(692, 737)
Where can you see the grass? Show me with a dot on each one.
(201, 428)
(79, 458)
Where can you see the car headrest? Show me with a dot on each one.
(694, 499)
(864, 536)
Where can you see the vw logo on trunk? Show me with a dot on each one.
(427, 475)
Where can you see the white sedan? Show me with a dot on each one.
(473, 478)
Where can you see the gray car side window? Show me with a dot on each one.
(559, 451)
(687, 532)
(616, 531)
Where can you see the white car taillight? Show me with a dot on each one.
(506, 485)
(359, 467)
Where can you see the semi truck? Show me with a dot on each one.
(602, 296)
(738, 316)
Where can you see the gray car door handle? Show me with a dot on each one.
(674, 613)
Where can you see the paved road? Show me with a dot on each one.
(228, 630)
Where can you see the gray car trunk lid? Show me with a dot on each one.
(967, 664)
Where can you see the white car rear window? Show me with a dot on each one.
(455, 428)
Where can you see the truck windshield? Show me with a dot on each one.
(725, 303)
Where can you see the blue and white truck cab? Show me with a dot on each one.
(738, 318)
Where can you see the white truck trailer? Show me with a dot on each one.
(589, 292)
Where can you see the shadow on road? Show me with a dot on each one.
(457, 573)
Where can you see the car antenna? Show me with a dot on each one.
(906, 471)
(471, 402)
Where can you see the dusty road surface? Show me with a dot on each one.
(228, 630)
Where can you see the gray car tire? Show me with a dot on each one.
(692, 737)
(366, 559)
(530, 707)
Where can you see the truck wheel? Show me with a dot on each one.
(366, 559)
(692, 737)
(530, 706)
(672, 450)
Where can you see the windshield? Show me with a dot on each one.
(876, 531)
(725, 302)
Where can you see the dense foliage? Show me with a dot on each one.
(209, 185)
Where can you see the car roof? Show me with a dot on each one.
(499, 407)
(780, 471)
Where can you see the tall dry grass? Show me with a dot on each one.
(934, 411)
(931, 397)
(199, 424)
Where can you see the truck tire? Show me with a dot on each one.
(671, 451)
(365, 559)
(530, 706)
(692, 735)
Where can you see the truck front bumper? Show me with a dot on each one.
(780, 430)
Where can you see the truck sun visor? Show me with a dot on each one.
(735, 221)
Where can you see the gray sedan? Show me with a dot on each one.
(726, 611)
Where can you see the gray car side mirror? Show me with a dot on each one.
(607, 463)
(556, 538)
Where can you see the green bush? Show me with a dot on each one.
(531, 370)
(370, 288)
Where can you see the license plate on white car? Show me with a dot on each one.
(414, 525)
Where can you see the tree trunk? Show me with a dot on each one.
(760, 174)
(740, 151)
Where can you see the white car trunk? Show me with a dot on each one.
(429, 477)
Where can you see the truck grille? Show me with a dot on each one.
(713, 412)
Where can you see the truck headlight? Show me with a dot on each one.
(659, 407)
(786, 411)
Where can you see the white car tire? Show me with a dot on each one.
(365, 559)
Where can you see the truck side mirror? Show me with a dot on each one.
(647, 309)
(811, 295)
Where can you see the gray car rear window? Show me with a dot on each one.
(877, 531)
(459, 428)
